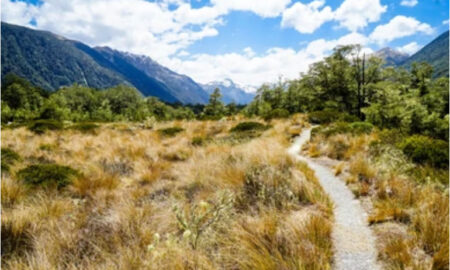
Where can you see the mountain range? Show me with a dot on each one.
(52, 61)
(231, 92)
(391, 57)
(435, 53)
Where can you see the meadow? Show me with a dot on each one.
(164, 195)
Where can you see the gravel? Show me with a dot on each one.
(353, 241)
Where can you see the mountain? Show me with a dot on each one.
(391, 57)
(435, 53)
(51, 61)
(230, 91)
(180, 86)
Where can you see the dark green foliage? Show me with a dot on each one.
(170, 132)
(215, 109)
(47, 175)
(40, 126)
(355, 128)
(323, 117)
(8, 159)
(425, 150)
(47, 147)
(249, 126)
(361, 128)
(200, 141)
(277, 113)
(86, 127)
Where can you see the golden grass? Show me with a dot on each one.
(119, 213)
(422, 207)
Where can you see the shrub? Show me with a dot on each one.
(322, 117)
(425, 150)
(361, 127)
(47, 175)
(329, 116)
(249, 126)
(8, 158)
(40, 126)
(85, 127)
(200, 141)
(170, 132)
(277, 113)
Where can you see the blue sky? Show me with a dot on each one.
(249, 41)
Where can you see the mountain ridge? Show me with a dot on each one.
(51, 61)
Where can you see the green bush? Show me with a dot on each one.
(8, 158)
(323, 117)
(170, 132)
(249, 126)
(40, 126)
(361, 127)
(277, 113)
(425, 150)
(342, 128)
(86, 127)
(329, 116)
(200, 141)
(47, 175)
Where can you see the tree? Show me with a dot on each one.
(215, 108)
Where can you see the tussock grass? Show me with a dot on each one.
(119, 212)
(401, 193)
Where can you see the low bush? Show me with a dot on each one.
(170, 132)
(277, 113)
(356, 128)
(249, 126)
(40, 126)
(329, 116)
(425, 150)
(200, 141)
(8, 158)
(361, 128)
(86, 127)
(47, 175)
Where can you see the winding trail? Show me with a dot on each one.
(353, 241)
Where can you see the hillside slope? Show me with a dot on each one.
(435, 53)
(51, 61)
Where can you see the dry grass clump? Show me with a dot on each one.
(145, 200)
(400, 194)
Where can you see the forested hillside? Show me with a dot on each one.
(435, 53)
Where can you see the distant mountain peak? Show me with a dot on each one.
(391, 56)
(231, 91)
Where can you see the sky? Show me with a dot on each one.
(248, 41)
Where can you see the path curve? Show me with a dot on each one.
(353, 241)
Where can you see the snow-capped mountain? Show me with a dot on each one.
(231, 92)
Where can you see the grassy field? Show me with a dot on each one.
(408, 204)
(173, 195)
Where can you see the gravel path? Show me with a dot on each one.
(353, 241)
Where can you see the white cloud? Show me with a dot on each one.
(306, 18)
(409, 3)
(399, 26)
(249, 69)
(410, 48)
(445, 22)
(356, 14)
(17, 12)
(263, 8)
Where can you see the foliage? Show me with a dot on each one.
(249, 126)
(215, 109)
(85, 127)
(277, 113)
(425, 150)
(40, 126)
(8, 158)
(170, 132)
(47, 175)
